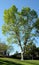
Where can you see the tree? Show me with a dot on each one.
(19, 26)
(3, 48)
(37, 53)
(31, 50)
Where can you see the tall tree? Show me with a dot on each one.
(19, 26)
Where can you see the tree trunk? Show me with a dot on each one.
(21, 55)
(32, 57)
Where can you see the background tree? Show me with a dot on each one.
(37, 52)
(31, 50)
(19, 26)
(3, 48)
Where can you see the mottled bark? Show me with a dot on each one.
(21, 55)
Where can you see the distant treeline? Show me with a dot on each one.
(32, 52)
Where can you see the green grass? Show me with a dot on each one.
(9, 61)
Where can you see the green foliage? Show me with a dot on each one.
(25, 11)
(34, 14)
(3, 47)
(19, 25)
(9, 15)
(37, 24)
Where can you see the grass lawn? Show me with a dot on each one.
(9, 61)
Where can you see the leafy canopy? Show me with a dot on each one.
(19, 25)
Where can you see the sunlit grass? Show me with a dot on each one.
(9, 61)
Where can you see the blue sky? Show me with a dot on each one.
(5, 4)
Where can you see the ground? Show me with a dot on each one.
(9, 61)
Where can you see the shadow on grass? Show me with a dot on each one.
(32, 63)
(3, 62)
